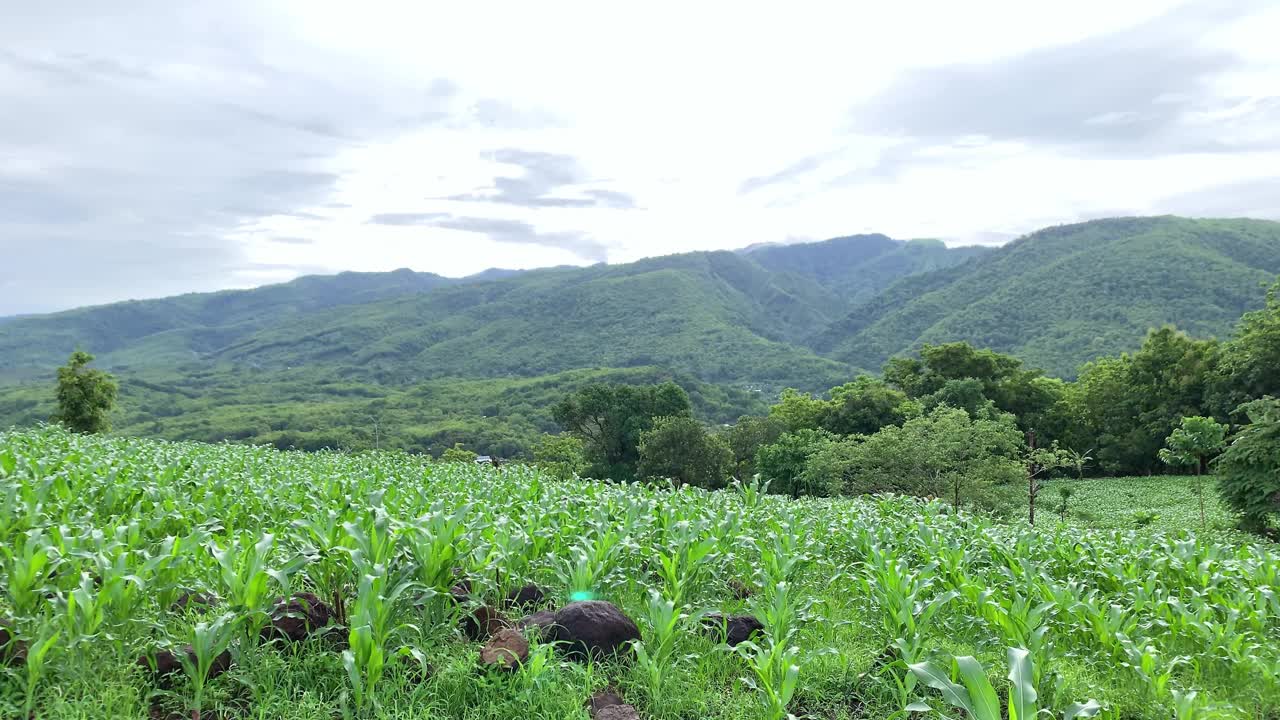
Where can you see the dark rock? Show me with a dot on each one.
(733, 630)
(192, 600)
(526, 598)
(483, 622)
(740, 590)
(538, 621)
(618, 712)
(506, 649)
(603, 699)
(167, 662)
(592, 627)
(295, 618)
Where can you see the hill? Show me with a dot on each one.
(1069, 294)
(314, 360)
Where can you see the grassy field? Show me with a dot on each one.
(869, 606)
(1162, 503)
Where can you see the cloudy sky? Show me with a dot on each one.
(154, 147)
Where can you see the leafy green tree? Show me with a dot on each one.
(944, 453)
(782, 464)
(679, 448)
(610, 418)
(561, 455)
(1248, 362)
(1191, 443)
(1249, 469)
(798, 410)
(746, 436)
(85, 396)
(863, 407)
(458, 454)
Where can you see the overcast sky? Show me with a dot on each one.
(154, 147)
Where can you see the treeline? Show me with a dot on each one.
(958, 422)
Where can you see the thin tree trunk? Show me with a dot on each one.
(1200, 492)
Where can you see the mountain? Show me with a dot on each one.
(421, 361)
(1068, 294)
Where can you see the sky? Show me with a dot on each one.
(156, 147)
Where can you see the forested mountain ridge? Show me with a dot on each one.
(1065, 295)
(322, 360)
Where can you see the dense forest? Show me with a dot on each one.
(420, 362)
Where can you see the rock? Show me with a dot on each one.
(295, 618)
(733, 630)
(592, 627)
(603, 699)
(168, 662)
(192, 600)
(741, 590)
(525, 598)
(538, 621)
(506, 649)
(483, 622)
(618, 712)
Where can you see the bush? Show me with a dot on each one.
(1249, 470)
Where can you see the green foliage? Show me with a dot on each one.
(944, 454)
(782, 464)
(1069, 294)
(680, 449)
(458, 454)
(863, 407)
(1248, 362)
(85, 397)
(1191, 444)
(746, 436)
(609, 419)
(1249, 470)
(1126, 406)
(796, 410)
(561, 456)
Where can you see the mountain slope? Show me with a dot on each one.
(1068, 294)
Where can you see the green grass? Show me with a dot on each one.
(1123, 503)
(125, 524)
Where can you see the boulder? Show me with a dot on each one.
(603, 699)
(592, 627)
(734, 629)
(295, 618)
(167, 662)
(618, 712)
(193, 600)
(483, 622)
(539, 622)
(505, 650)
(526, 598)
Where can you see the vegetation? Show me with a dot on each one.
(117, 549)
(1192, 443)
(1249, 471)
(85, 397)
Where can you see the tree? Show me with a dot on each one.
(1078, 460)
(458, 454)
(747, 436)
(610, 418)
(1040, 461)
(560, 455)
(1191, 443)
(85, 397)
(863, 407)
(1249, 470)
(798, 410)
(679, 448)
(1247, 367)
(944, 453)
(782, 464)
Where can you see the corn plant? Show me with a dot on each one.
(775, 674)
(247, 578)
(968, 688)
(208, 641)
(654, 656)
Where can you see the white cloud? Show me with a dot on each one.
(192, 147)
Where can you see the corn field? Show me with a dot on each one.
(119, 555)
